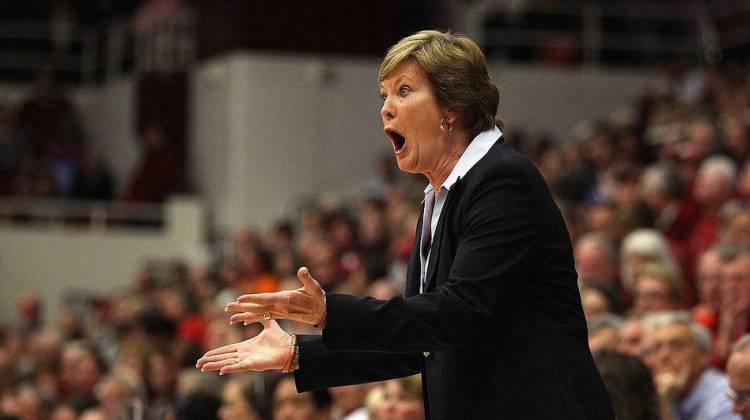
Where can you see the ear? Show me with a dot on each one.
(451, 116)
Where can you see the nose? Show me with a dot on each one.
(387, 111)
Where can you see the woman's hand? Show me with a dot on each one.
(306, 304)
(268, 350)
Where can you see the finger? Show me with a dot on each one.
(303, 274)
(246, 317)
(245, 307)
(226, 356)
(237, 367)
(260, 298)
(208, 367)
(229, 348)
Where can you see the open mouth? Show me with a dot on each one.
(396, 138)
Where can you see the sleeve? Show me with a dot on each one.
(320, 368)
(492, 256)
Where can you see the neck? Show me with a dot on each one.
(447, 160)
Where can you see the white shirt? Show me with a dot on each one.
(432, 207)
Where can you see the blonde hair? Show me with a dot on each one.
(667, 276)
(457, 71)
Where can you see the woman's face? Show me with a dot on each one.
(400, 404)
(411, 118)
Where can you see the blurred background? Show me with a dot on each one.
(158, 158)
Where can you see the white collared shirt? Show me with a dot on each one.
(432, 206)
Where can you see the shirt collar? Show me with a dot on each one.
(473, 154)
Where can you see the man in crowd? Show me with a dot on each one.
(685, 381)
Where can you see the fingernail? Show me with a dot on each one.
(221, 373)
(245, 322)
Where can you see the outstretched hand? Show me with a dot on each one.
(267, 350)
(306, 304)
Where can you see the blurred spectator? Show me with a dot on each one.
(604, 333)
(29, 311)
(12, 151)
(158, 173)
(662, 192)
(348, 402)
(630, 386)
(657, 288)
(709, 277)
(631, 335)
(738, 369)
(596, 261)
(45, 115)
(683, 376)
(161, 386)
(640, 247)
(94, 180)
(289, 405)
(595, 302)
(240, 400)
(735, 301)
(714, 187)
(399, 399)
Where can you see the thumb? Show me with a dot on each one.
(303, 274)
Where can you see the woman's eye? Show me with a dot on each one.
(404, 90)
(383, 96)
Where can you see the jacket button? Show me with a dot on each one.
(427, 353)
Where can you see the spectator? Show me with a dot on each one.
(158, 173)
(94, 180)
(738, 369)
(401, 400)
(289, 405)
(631, 335)
(714, 187)
(631, 388)
(657, 288)
(735, 301)
(604, 333)
(639, 248)
(596, 261)
(240, 400)
(709, 288)
(683, 376)
(348, 402)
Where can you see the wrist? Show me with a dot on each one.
(292, 362)
(323, 317)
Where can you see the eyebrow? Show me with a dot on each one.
(396, 81)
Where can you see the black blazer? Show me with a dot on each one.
(500, 324)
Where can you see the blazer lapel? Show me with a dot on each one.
(414, 269)
(437, 240)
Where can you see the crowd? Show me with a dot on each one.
(45, 152)
(655, 200)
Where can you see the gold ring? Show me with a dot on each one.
(266, 316)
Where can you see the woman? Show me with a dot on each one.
(492, 317)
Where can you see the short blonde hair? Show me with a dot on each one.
(457, 70)
(670, 278)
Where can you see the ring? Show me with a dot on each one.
(266, 316)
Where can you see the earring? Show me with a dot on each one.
(442, 126)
